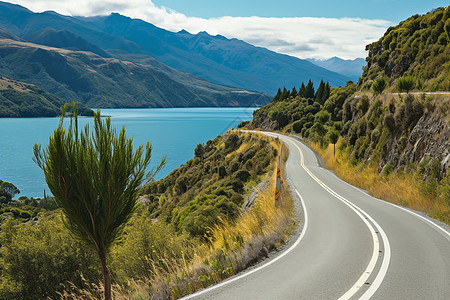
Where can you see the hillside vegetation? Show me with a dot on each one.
(212, 185)
(21, 100)
(396, 146)
(389, 136)
(206, 221)
(417, 47)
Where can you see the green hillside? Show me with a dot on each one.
(418, 47)
(213, 208)
(21, 100)
(111, 83)
(396, 146)
(213, 185)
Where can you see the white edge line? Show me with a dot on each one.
(387, 251)
(393, 204)
(223, 283)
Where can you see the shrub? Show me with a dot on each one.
(243, 124)
(322, 117)
(146, 245)
(297, 126)
(243, 175)
(232, 142)
(389, 122)
(379, 85)
(388, 168)
(405, 84)
(363, 104)
(39, 259)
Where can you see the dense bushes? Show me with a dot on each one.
(36, 259)
(417, 47)
(40, 258)
(197, 195)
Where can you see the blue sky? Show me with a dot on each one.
(392, 10)
(304, 29)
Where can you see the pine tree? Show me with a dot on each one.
(320, 92)
(294, 92)
(277, 96)
(284, 94)
(301, 91)
(309, 90)
(326, 93)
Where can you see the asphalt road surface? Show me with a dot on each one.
(352, 246)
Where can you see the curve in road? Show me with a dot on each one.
(342, 251)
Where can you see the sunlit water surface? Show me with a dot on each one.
(172, 131)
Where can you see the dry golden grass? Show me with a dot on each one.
(231, 248)
(403, 189)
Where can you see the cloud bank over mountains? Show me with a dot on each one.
(303, 37)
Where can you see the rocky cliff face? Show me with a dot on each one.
(428, 145)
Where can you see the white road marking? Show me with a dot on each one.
(376, 244)
(355, 288)
(223, 283)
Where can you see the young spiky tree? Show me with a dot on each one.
(94, 178)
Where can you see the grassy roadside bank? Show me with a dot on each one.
(153, 261)
(403, 188)
(232, 247)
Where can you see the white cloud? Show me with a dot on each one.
(300, 37)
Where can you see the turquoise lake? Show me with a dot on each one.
(172, 131)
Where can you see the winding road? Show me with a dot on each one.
(352, 246)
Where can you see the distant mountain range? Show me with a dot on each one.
(223, 61)
(108, 82)
(350, 68)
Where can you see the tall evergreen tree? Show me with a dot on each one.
(301, 91)
(326, 93)
(320, 92)
(284, 94)
(294, 92)
(277, 96)
(309, 90)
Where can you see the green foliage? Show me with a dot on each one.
(298, 125)
(243, 124)
(309, 90)
(146, 247)
(198, 195)
(363, 104)
(21, 100)
(405, 84)
(38, 259)
(379, 85)
(418, 47)
(232, 142)
(199, 151)
(333, 136)
(388, 168)
(95, 180)
(322, 117)
(7, 191)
